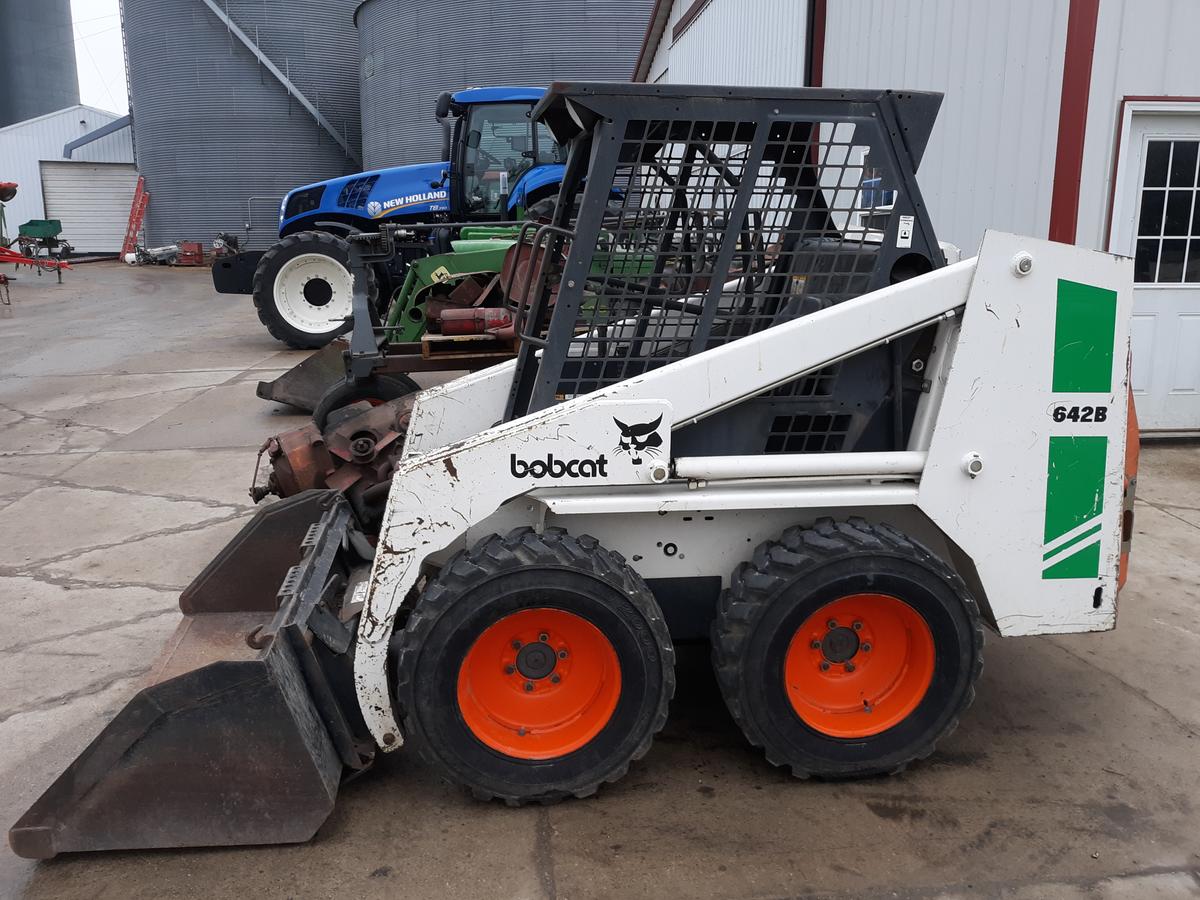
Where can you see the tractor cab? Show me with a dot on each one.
(500, 159)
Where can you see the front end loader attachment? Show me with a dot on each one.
(239, 735)
(303, 385)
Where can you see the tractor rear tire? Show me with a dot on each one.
(302, 289)
(534, 667)
(846, 649)
(375, 390)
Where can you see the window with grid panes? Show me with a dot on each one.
(1168, 227)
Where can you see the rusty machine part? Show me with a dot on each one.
(355, 454)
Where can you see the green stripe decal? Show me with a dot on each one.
(1074, 495)
(1085, 325)
(1083, 535)
(1084, 564)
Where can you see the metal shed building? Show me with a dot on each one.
(88, 193)
(1077, 120)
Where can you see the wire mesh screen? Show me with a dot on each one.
(719, 229)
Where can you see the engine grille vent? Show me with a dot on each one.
(354, 194)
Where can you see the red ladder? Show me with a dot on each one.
(137, 214)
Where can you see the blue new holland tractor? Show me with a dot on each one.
(497, 164)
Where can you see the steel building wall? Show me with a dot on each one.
(741, 42)
(37, 59)
(1142, 49)
(990, 162)
(24, 144)
(412, 50)
(218, 139)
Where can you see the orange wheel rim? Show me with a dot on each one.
(859, 665)
(538, 684)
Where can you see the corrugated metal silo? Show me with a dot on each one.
(236, 102)
(412, 50)
(37, 59)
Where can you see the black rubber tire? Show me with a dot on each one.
(381, 388)
(268, 268)
(498, 576)
(789, 579)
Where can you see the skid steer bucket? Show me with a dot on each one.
(303, 385)
(238, 736)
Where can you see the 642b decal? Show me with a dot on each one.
(1064, 413)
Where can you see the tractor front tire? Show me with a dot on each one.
(846, 649)
(534, 667)
(302, 289)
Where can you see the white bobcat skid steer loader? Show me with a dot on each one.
(737, 411)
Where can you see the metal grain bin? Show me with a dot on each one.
(37, 60)
(412, 50)
(236, 102)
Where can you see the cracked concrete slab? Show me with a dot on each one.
(220, 476)
(39, 611)
(31, 435)
(168, 560)
(17, 485)
(56, 521)
(50, 673)
(48, 394)
(40, 465)
(229, 415)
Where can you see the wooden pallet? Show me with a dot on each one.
(461, 346)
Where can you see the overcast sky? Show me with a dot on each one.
(98, 54)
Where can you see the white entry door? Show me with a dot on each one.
(1156, 220)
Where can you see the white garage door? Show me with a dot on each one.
(92, 200)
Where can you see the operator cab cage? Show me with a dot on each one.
(692, 216)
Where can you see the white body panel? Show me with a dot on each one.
(458, 409)
(991, 401)
(999, 404)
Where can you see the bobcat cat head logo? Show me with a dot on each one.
(639, 439)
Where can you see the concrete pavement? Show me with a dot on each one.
(128, 426)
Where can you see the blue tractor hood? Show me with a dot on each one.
(377, 195)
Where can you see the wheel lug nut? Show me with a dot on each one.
(509, 670)
(858, 626)
(556, 678)
(529, 685)
(516, 645)
(562, 654)
(866, 648)
(849, 667)
(816, 645)
(832, 623)
(824, 666)
(543, 637)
